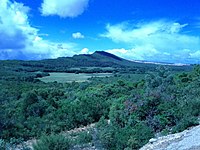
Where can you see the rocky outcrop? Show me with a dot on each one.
(186, 140)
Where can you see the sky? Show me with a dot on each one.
(148, 30)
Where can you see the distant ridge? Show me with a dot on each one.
(97, 61)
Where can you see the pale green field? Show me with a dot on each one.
(90, 68)
(70, 77)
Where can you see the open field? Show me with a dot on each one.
(70, 77)
(90, 68)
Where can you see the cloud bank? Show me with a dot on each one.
(64, 8)
(158, 40)
(13, 25)
(19, 40)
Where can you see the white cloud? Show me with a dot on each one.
(41, 49)
(153, 40)
(195, 54)
(77, 35)
(84, 51)
(138, 53)
(151, 54)
(13, 25)
(64, 8)
(19, 40)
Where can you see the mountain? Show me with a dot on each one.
(99, 61)
(102, 59)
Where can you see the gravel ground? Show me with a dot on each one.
(186, 140)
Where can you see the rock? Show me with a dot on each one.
(186, 140)
(152, 140)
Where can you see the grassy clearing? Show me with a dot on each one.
(70, 77)
(90, 68)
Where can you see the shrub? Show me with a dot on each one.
(114, 138)
(185, 123)
(84, 137)
(107, 137)
(52, 142)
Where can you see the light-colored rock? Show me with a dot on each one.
(152, 140)
(186, 140)
(28, 144)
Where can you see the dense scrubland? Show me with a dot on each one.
(128, 110)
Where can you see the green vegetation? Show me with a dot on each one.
(129, 107)
(52, 142)
(82, 137)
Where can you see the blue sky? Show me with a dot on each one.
(152, 30)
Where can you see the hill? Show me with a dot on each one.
(99, 61)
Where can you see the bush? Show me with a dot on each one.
(141, 135)
(52, 142)
(84, 137)
(107, 137)
(185, 123)
(114, 138)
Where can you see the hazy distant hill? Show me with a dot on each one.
(97, 59)
(96, 62)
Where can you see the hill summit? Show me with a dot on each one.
(106, 55)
